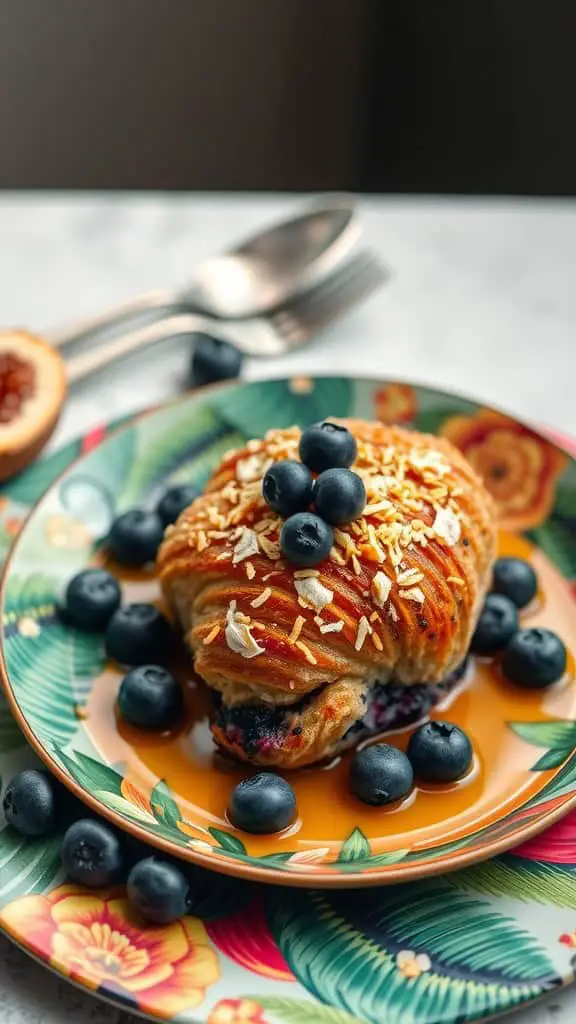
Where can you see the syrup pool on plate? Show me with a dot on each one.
(483, 704)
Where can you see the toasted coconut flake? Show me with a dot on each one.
(377, 642)
(409, 577)
(304, 574)
(356, 565)
(431, 460)
(238, 635)
(246, 546)
(413, 594)
(332, 627)
(211, 636)
(375, 545)
(393, 613)
(377, 506)
(306, 652)
(202, 541)
(456, 580)
(364, 629)
(269, 575)
(447, 526)
(381, 587)
(250, 468)
(250, 570)
(335, 556)
(271, 548)
(313, 593)
(299, 623)
(262, 598)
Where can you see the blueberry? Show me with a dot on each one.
(534, 658)
(213, 360)
(92, 853)
(263, 804)
(516, 579)
(496, 626)
(137, 635)
(135, 537)
(439, 752)
(306, 539)
(287, 487)
(158, 890)
(327, 446)
(380, 775)
(150, 698)
(29, 803)
(339, 496)
(174, 501)
(90, 600)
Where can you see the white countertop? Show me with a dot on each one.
(482, 299)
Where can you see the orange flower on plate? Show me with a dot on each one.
(395, 403)
(96, 938)
(237, 1011)
(519, 468)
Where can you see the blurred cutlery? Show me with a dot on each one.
(257, 275)
(285, 329)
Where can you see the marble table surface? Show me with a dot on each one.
(482, 298)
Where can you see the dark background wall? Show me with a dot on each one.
(472, 96)
(381, 95)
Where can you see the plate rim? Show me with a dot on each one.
(216, 861)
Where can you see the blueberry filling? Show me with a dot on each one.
(394, 706)
(258, 728)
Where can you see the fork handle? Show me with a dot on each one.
(81, 366)
(161, 298)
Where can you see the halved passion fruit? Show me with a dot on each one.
(32, 391)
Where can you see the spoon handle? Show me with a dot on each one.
(161, 298)
(81, 366)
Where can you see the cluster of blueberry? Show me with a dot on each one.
(337, 494)
(379, 775)
(149, 697)
(136, 634)
(534, 658)
(95, 855)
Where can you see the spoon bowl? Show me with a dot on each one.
(263, 271)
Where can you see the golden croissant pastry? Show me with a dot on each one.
(306, 661)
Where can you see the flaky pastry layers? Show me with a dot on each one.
(398, 597)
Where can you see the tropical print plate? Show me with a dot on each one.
(171, 791)
(450, 949)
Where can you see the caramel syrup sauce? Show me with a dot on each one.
(483, 704)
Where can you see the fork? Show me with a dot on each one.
(285, 329)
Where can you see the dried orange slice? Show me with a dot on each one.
(32, 392)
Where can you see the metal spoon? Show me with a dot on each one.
(257, 275)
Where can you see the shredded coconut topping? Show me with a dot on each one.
(413, 594)
(251, 468)
(238, 635)
(313, 593)
(447, 526)
(332, 627)
(381, 587)
(246, 546)
(262, 598)
(364, 629)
